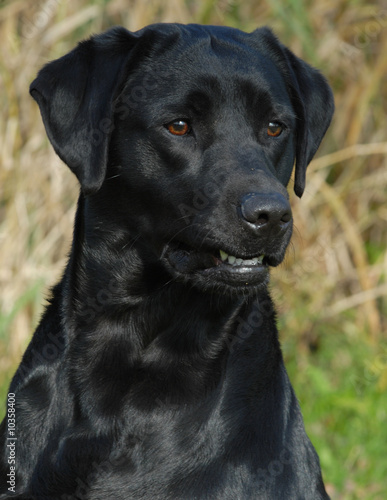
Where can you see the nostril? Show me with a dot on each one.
(262, 219)
(286, 217)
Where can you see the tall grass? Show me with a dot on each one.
(332, 289)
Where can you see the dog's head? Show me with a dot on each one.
(187, 136)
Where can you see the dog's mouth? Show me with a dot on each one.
(217, 265)
(239, 262)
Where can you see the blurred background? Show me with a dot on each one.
(331, 292)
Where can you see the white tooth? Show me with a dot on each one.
(223, 255)
(237, 262)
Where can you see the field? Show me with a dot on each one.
(331, 292)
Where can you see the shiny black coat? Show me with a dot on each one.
(156, 371)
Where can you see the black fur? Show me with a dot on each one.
(156, 371)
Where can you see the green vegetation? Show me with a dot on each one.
(332, 290)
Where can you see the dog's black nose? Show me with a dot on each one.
(266, 210)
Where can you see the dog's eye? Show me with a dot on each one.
(274, 129)
(178, 127)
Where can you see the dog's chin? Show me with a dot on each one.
(218, 271)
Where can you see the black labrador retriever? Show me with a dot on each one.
(156, 371)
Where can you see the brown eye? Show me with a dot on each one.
(274, 129)
(178, 127)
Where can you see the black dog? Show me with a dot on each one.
(156, 371)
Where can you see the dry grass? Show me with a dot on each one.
(337, 267)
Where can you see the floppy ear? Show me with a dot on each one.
(75, 94)
(314, 105)
(311, 98)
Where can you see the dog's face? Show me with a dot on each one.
(191, 136)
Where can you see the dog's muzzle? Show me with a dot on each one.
(266, 220)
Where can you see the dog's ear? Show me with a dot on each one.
(312, 100)
(75, 94)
